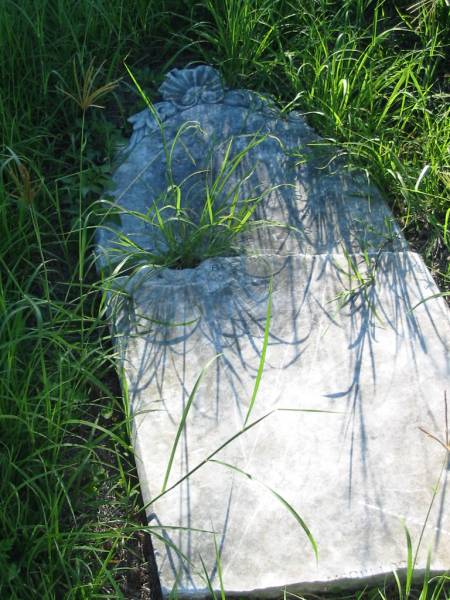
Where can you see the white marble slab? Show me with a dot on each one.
(356, 475)
(352, 369)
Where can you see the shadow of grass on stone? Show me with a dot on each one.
(199, 214)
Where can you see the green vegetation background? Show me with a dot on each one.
(374, 77)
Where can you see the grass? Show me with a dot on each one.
(373, 78)
(185, 229)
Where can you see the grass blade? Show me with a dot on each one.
(410, 565)
(183, 422)
(283, 501)
(262, 359)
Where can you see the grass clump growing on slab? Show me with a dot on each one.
(187, 224)
(201, 213)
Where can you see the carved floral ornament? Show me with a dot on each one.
(187, 87)
(184, 88)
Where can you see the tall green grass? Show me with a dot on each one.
(373, 77)
(69, 497)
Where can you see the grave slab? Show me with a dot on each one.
(355, 364)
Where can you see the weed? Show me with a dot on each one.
(185, 228)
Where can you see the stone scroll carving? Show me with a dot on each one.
(185, 88)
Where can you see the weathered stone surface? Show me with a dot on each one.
(355, 350)
(354, 475)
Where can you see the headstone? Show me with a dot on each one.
(277, 394)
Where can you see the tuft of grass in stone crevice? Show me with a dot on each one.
(184, 227)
